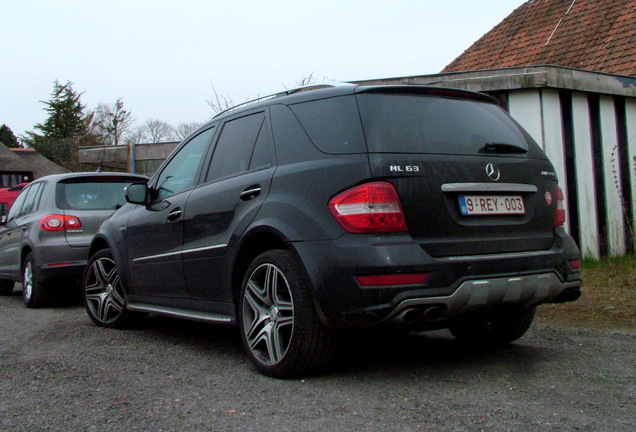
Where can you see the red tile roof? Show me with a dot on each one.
(596, 35)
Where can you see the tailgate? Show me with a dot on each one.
(454, 208)
(91, 221)
(92, 200)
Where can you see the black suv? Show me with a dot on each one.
(327, 208)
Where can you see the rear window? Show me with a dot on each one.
(91, 195)
(399, 123)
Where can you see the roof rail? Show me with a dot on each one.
(301, 89)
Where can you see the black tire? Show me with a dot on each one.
(494, 329)
(104, 296)
(6, 287)
(279, 326)
(35, 293)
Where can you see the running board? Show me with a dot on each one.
(181, 313)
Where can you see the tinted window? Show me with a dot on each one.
(32, 199)
(262, 154)
(181, 171)
(17, 205)
(423, 124)
(332, 124)
(291, 140)
(234, 148)
(91, 195)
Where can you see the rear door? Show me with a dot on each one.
(470, 179)
(20, 221)
(217, 213)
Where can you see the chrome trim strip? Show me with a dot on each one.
(156, 256)
(180, 313)
(499, 255)
(489, 187)
(201, 249)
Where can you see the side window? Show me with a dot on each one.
(180, 173)
(332, 124)
(235, 147)
(32, 199)
(17, 204)
(262, 154)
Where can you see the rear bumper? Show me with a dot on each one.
(455, 285)
(520, 291)
(60, 261)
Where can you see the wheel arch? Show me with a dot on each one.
(98, 244)
(262, 239)
(252, 245)
(26, 250)
(101, 242)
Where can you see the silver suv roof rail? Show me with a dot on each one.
(301, 89)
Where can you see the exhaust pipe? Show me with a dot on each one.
(569, 295)
(433, 313)
(411, 315)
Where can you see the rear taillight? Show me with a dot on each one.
(559, 217)
(369, 208)
(59, 223)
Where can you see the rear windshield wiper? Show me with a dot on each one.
(493, 147)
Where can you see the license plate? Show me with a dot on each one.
(480, 205)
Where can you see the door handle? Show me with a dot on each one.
(251, 192)
(174, 215)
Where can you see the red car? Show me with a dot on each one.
(7, 197)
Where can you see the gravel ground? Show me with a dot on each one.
(58, 372)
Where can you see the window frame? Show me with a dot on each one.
(205, 156)
(265, 127)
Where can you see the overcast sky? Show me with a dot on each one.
(162, 57)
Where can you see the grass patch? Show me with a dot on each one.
(608, 300)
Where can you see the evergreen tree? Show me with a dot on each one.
(7, 137)
(65, 129)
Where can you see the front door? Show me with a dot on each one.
(154, 234)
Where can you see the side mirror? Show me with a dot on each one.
(136, 193)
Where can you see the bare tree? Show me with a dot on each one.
(136, 135)
(156, 130)
(185, 129)
(110, 122)
(305, 81)
(222, 102)
(219, 102)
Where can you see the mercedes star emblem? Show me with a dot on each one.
(492, 172)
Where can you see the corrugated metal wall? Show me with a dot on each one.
(591, 140)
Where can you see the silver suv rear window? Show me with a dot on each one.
(91, 195)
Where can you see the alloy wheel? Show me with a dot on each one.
(268, 314)
(27, 281)
(103, 292)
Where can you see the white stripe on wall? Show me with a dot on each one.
(525, 107)
(588, 222)
(630, 116)
(553, 139)
(611, 172)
